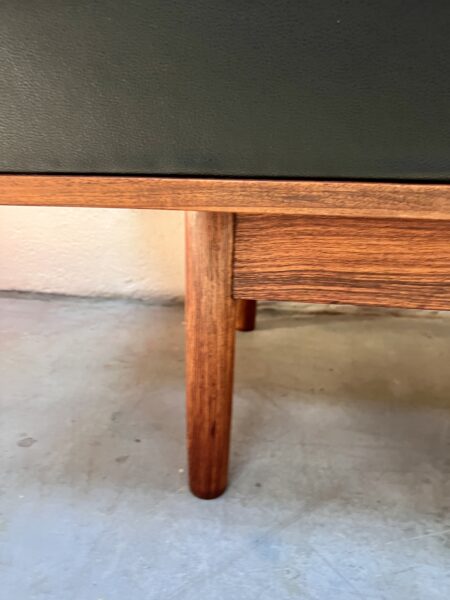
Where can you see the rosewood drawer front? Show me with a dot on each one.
(379, 262)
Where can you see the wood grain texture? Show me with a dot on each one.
(386, 200)
(375, 262)
(210, 321)
(245, 315)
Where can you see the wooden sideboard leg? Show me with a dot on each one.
(210, 334)
(245, 315)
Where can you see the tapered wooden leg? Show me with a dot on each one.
(210, 326)
(245, 315)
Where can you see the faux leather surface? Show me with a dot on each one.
(318, 88)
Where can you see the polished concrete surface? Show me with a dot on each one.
(340, 470)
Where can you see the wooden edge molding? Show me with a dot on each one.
(326, 198)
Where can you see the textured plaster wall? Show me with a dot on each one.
(92, 252)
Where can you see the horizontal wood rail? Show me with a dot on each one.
(374, 262)
(327, 198)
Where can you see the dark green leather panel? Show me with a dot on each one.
(320, 88)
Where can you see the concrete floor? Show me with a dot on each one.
(340, 484)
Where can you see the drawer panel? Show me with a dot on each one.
(379, 262)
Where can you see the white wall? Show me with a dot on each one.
(92, 252)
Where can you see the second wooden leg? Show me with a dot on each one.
(210, 325)
(245, 315)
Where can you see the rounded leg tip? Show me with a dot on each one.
(240, 327)
(207, 493)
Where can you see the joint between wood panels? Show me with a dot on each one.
(233, 254)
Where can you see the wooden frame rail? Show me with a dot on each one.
(325, 198)
(400, 263)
